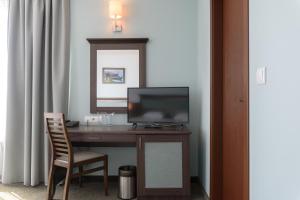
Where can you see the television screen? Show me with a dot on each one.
(158, 105)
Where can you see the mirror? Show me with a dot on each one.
(115, 65)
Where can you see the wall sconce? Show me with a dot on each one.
(115, 12)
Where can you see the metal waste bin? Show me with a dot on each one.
(127, 182)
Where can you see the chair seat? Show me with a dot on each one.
(81, 157)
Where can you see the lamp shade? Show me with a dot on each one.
(115, 9)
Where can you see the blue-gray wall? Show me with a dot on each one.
(275, 107)
(172, 51)
(203, 84)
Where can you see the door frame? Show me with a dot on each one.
(217, 73)
(216, 117)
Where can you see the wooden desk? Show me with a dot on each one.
(160, 152)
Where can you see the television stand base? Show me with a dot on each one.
(153, 126)
(158, 126)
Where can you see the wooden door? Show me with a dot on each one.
(230, 143)
(235, 100)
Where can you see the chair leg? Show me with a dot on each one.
(105, 175)
(50, 188)
(80, 175)
(67, 183)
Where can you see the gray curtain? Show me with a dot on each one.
(38, 78)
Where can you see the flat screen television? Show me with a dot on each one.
(158, 105)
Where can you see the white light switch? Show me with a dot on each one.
(261, 76)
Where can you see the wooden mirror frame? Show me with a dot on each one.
(114, 44)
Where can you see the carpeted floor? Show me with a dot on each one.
(89, 191)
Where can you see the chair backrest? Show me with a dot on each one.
(58, 135)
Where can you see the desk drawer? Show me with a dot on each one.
(94, 137)
(119, 138)
(86, 137)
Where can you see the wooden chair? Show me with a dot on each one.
(64, 157)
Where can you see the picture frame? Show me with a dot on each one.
(124, 60)
(111, 75)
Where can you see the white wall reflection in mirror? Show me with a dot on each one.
(116, 71)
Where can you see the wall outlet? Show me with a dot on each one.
(91, 119)
(261, 76)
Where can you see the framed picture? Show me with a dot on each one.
(113, 75)
(116, 64)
